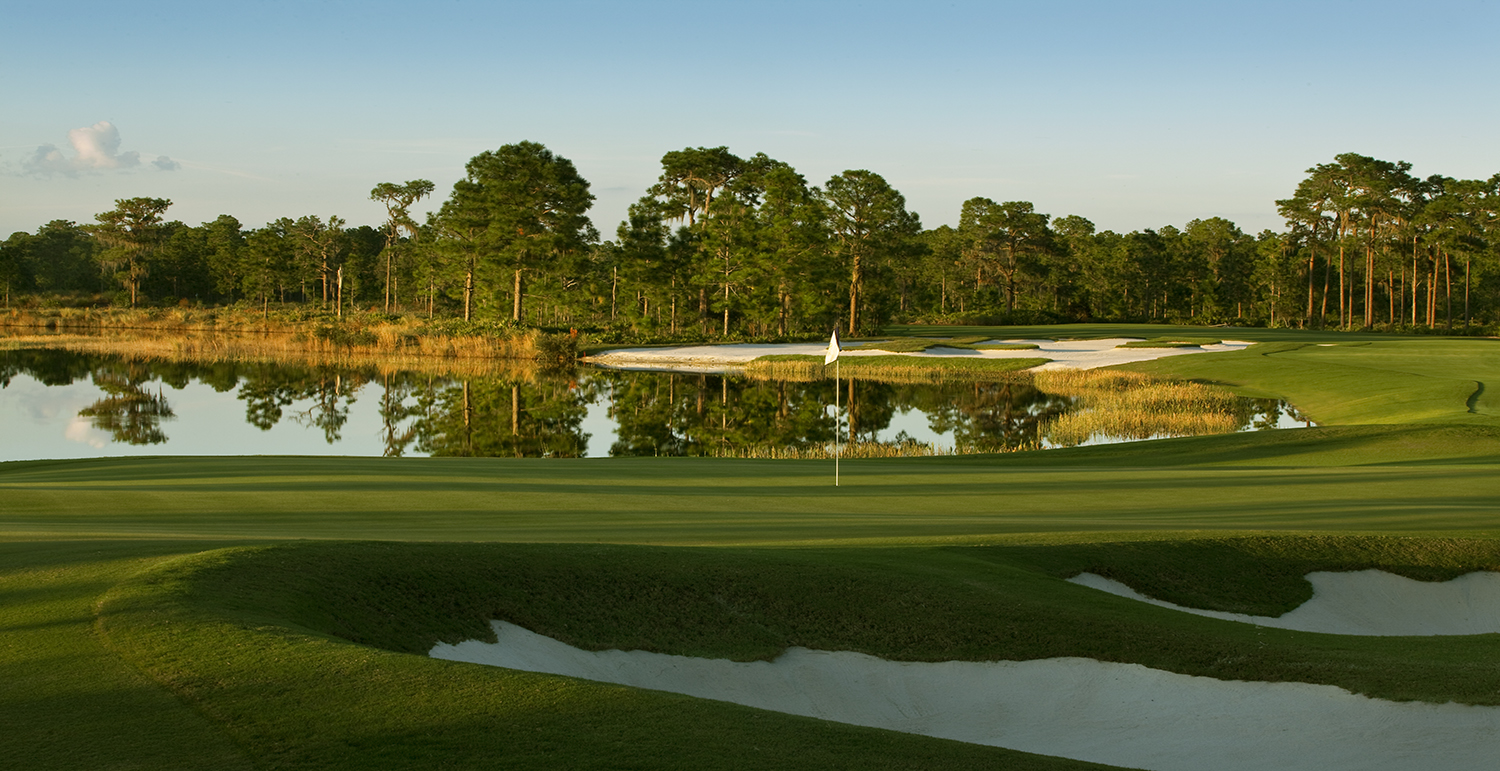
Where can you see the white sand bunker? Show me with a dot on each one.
(1065, 354)
(1120, 714)
(1367, 602)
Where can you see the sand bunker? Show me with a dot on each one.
(1367, 602)
(1120, 714)
(1065, 354)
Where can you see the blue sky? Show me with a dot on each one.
(1133, 114)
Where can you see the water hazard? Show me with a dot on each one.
(56, 404)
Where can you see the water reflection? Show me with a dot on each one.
(536, 414)
(128, 411)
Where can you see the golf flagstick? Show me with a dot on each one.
(832, 357)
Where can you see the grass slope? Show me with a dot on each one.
(336, 631)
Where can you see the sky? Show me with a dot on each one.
(1132, 114)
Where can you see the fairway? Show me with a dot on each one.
(275, 611)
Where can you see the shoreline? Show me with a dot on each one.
(1064, 354)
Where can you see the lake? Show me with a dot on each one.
(58, 404)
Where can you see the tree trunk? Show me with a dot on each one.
(515, 310)
(1323, 308)
(854, 278)
(1312, 256)
(468, 292)
(1448, 289)
(1415, 281)
(1343, 306)
(1466, 293)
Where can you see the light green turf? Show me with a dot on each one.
(1303, 479)
(115, 604)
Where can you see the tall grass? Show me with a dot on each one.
(890, 369)
(457, 357)
(1129, 405)
(864, 450)
(317, 339)
(1171, 342)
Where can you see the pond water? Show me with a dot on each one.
(56, 404)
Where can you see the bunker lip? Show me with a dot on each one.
(1113, 713)
(1367, 603)
(1065, 354)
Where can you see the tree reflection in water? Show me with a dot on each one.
(128, 412)
(535, 414)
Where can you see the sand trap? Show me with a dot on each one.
(1066, 354)
(1367, 602)
(1120, 714)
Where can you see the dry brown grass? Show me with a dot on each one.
(1130, 405)
(889, 369)
(455, 356)
(208, 336)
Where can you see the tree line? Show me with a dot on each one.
(724, 246)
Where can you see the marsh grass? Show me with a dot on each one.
(458, 357)
(891, 369)
(857, 450)
(389, 343)
(1130, 405)
(1171, 342)
(1005, 347)
(919, 344)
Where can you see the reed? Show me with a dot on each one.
(890, 369)
(919, 344)
(864, 450)
(1131, 405)
(188, 334)
(1171, 342)
(460, 358)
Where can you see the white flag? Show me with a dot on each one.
(833, 348)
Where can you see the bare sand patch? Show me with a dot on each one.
(1065, 354)
(1366, 602)
(1120, 714)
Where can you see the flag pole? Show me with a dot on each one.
(832, 357)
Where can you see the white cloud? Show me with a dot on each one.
(95, 148)
(80, 430)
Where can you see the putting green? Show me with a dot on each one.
(129, 648)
